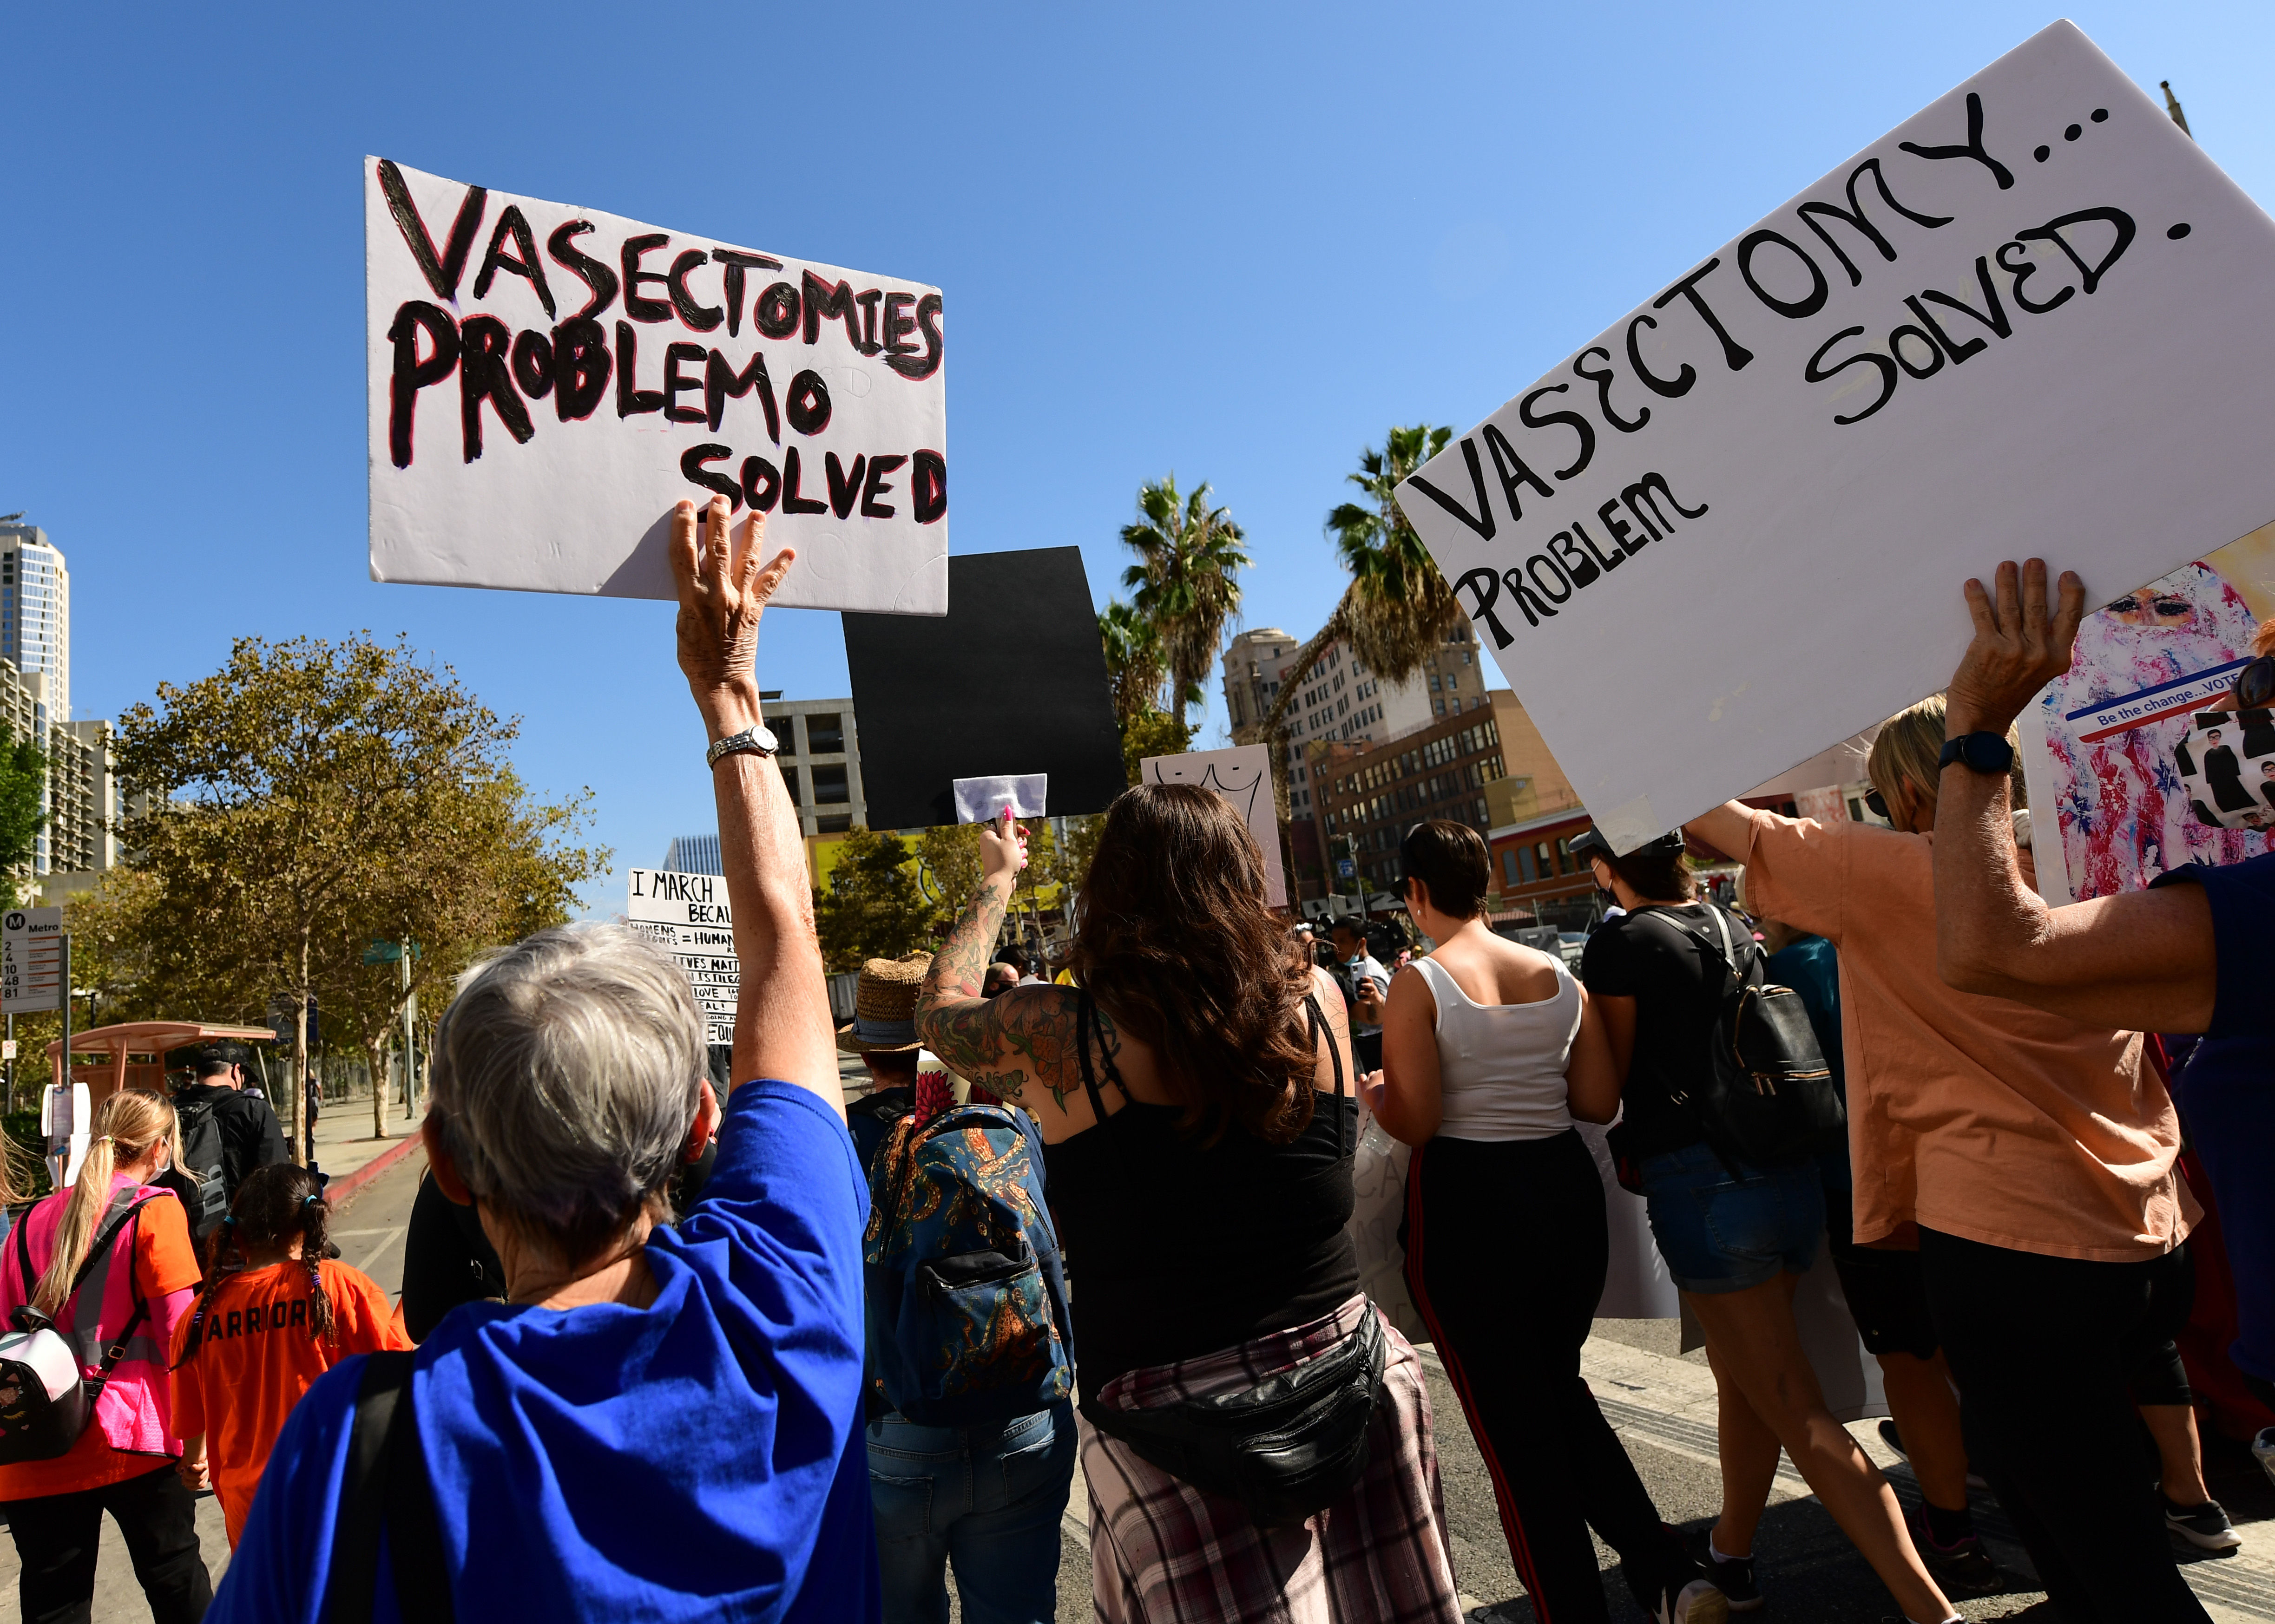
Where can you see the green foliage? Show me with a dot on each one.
(1402, 607)
(1154, 733)
(874, 907)
(1185, 584)
(1133, 659)
(23, 781)
(1071, 864)
(311, 797)
(950, 860)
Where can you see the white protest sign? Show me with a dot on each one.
(31, 960)
(1242, 776)
(687, 916)
(2034, 320)
(545, 383)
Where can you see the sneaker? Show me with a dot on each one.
(1733, 1578)
(1696, 1602)
(2205, 1527)
(1966, 1564)
(1975, 1480)
(2262, 1450)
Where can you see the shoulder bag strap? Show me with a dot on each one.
(24, 1253)
(115, 1349)
(385, 1484)
(1729, 966)
(1322, 1032)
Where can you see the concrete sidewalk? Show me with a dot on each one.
(347, 1151)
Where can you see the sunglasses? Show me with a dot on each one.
(1878, 805)
(2254, 684)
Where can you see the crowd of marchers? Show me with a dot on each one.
(675, 1345)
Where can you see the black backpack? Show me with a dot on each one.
(204, 1189)
(1768, 1100)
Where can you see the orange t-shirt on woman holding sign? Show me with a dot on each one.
(264, 1331)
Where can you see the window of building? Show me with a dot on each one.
(1524, 861)
(1564, 863)
(829, 784)
(1433, 682)
(836, 823)
(789, 780)
(825, 736)
(1453, 681)
(1508, 868)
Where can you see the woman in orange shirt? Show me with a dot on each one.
(276, 1314)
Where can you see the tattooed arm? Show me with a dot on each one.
(1020, 1044)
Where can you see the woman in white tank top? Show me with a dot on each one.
(1490, 1053)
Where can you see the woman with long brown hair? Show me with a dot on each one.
(1193, 1091)
(108, 1261)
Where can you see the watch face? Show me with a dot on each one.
(1987, 752)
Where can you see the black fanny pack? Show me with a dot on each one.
(1288, 1447)
(1285, 1448)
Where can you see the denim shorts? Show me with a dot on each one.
(1723, 1234)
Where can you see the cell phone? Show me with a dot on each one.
(1367, 1050)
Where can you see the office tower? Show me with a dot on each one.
(35, 615)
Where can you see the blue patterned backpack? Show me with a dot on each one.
(967, 1307)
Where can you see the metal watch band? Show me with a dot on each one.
(759, 741)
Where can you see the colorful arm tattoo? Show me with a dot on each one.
(1022, 1037)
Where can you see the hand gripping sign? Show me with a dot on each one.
(2034, 320)
(546, 382)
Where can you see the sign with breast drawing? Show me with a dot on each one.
(1731, 530)
(546, 382)
(1242, 776)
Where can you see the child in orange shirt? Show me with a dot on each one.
(275, 1314)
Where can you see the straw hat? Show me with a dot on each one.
(885, 1007)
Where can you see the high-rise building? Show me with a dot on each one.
(693, 854)
(36, 613)
(821, 761)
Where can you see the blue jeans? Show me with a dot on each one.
(989, 1498)
(1722, 1234)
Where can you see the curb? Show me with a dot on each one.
(348, 1186)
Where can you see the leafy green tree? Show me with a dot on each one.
(874, 907)
(310, 796)
(1154, 733)
(23, 787)
(1186, 581)
(949, 861)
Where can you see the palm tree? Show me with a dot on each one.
(1186, 581)
(1398, 607)
(1133, 660)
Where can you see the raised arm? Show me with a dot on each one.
(1018, 1044)
(783, 1028)
(2141, 961)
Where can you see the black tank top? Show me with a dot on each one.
(1178, 1249)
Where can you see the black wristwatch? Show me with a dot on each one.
(1988, 753)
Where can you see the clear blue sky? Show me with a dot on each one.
(1233, 242)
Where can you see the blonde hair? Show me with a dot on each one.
(1911, 745)
(2263, 640)
(126, 1125)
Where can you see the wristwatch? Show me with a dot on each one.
(759, 740)
(1987, 753)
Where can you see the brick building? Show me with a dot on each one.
(1370, 794)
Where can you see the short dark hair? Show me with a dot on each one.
(1450, 859)
(1012, 954)
(898, 1064)
(211, 1059)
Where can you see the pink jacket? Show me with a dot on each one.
(136, 1409)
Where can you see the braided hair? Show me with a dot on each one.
(273, 1203)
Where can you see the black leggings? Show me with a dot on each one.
(2045, 1350)
(57, 1536)
(1506, 1250)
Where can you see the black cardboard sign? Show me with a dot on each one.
(1011, 680)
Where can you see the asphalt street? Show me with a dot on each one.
(1660, 1402)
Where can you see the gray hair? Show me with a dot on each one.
(567, 1073)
